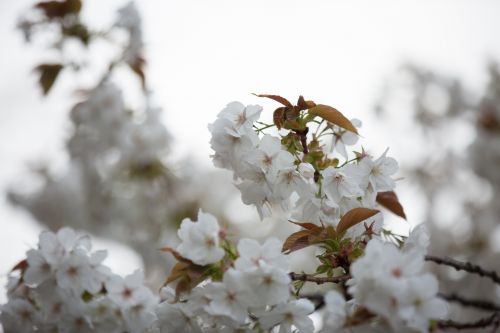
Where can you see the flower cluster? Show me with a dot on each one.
(288, 172)
(393, 283)
(223, 284)
(251, 290)
(64, 287)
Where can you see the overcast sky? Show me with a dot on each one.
(205, 53)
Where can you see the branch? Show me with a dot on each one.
(474, 303)
(303, 139)
(494, 319)
(465, 266)
(318, 280)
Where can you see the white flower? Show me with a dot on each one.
(200, 240)
(105, 314)
(306, 170)
(379, 172)
(289, 180)
(418, 240)
(256, 190)
(55, 247)
(242, 117)
(269, 286)
(75, 318)
(38, 269)
(390, 281)
(128, 290)
(343, 138)
(77, 275)
(230, 145)
(270, 156)
(254, 255)
(140, 315)
(23, 313)
(335, 310)
(294, 313)
(176, 318)
(228, 298)
(318, 211)
(419, 303)
(341, 183)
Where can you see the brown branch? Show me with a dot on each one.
(492, 320)
(303, 139)
(465, 266)
(474, 303)
(318, 280)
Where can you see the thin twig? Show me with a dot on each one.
(317, 279)
(481, 323)
(465, 266)
(303, 139)
(473, 303)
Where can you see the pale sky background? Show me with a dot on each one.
(205, 53)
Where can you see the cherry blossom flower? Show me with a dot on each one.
(379, 172)
(229, 297)
(253, 255)
(341, 183)
(294, 313)
(343, 138)
(200, 240)
(335, 311)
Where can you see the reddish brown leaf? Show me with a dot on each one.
(292, 124)
(390, 201)
(279, 117)
(21, 266)
(303, 104)
(353, 217)
(334, 116)
(183, 286)
(307, 225)
(176, 254)
(178, 271)
(48, 75)
(138, 68)
(276, 98)
(296, 241)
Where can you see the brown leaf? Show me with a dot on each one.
(334, 116)
(279, 117)
(296, 241)
(176, 254)
(303, 104)
(353, 217)
(21, 266)
(55, 9)
(178, 271)
(78, 31)
(307, 225)
(276, 98)
(138, 68)
(184, 285)
(390, 201)
(48, 75)
(292, 124)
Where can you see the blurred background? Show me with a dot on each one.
(420, 75)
